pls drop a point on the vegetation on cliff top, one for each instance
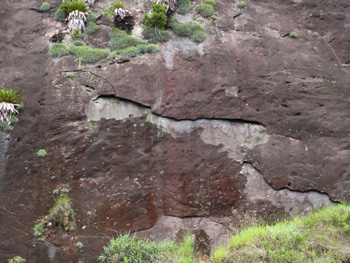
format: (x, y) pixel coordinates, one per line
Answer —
(322, 236)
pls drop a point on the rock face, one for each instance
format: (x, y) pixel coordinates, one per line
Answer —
(198, 137)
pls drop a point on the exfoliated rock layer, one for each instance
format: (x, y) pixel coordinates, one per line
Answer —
(200, 136)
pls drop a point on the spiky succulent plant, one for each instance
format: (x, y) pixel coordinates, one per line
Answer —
(9, 100)
(76, 21)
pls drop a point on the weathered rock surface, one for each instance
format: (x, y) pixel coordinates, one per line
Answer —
(176, 141)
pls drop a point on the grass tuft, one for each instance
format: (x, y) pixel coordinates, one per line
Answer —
(91, 27)
(205, 10)
(155, 35)
(183, 6)
(60, 15)
(193, 30)
(45, 7)
(89, 54)
(58, 50)
(321, 236)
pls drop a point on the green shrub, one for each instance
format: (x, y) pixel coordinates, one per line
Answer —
(61, 216)
(91, 27)
(45, 7)
(77, 34)
(89, 54)
(148, 48)
(58, 50)
(125, 42)
(183, 6)
(60, 15)
(109, 13)
(241, 4)
(116, 32)
(293, 34)
(130, 52)
(16, 259)
(157, 19)
(78, 43)
(41, 153)
(210, 2)
(91, 17)
(205, 10)
(198, 36)
(155, 35)
(74, 5)
(71, 75)
(193, 30)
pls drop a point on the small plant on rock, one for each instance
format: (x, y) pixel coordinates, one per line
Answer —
(193, 30)
(61, 217)
(293, 34)
(76, 14)
(45, 7)
(80, 245)
(168, 4)
(10, 101)
(91, 17)
(17, 259)
(241, 4)
(41, 153)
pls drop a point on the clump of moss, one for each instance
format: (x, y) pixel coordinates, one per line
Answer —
(210, 2)
(61, 217)
(58, 50)
(91, 27)
(60, 15)
(193, 30)
(205, 10)
(45, 7)
(89, 54)
(183, 6)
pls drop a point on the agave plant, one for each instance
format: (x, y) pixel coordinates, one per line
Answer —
(90, 2)
(122, 12)
(170, 4)
(9, 100)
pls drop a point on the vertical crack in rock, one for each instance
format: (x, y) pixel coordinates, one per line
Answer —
(294, 202)
(232, 135)
(4, 145)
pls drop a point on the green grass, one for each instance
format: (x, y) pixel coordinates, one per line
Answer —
(205, 10)
(89, 54)
(193, 30)
(183, 6)
(91, 17)
(210, 2)
(45, 7)
(61, 216)
(91, 27)
(58, 50)
(241, 4)
(125, 42)
(60, 15)
(127, 248)
(16, 259)
(294, 34)
(155, 35)
(321, 236)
